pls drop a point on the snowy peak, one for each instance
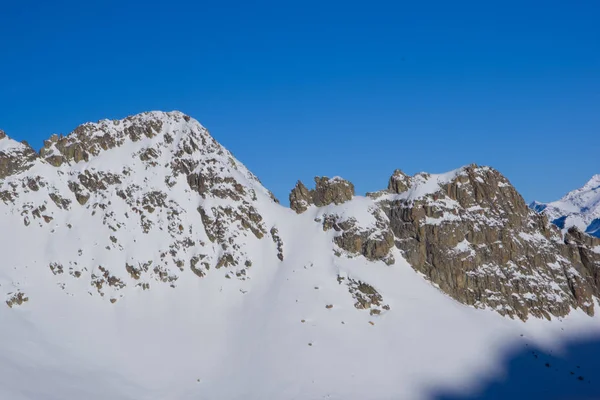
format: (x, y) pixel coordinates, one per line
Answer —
(579, 208)
(170, 140)
(89, 139)
(537, 206)
(131, 203)
(585, 198)
(592, 184)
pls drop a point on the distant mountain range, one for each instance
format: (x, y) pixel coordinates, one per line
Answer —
(579, 208)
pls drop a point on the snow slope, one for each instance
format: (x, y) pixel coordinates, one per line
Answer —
(579, 208)
(112, 314)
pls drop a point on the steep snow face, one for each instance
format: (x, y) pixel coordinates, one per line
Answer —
(579, 208)
(141, 260)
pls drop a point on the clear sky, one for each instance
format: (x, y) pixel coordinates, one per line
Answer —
(302, 88)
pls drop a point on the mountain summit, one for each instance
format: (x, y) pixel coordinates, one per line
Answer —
(579, 208)
(142, 260)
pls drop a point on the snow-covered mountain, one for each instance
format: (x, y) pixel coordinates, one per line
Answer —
(142, 260)
(579, 208)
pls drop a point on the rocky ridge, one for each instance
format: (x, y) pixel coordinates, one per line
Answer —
(472, 235)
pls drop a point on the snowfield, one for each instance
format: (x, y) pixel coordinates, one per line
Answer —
(275, 329)
(211, 339)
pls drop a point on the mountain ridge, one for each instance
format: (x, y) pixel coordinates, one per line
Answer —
(477, 201)
(579, 208)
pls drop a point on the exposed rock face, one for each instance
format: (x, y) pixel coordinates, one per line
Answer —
(327, 191)
(331, 191)
(372, 238)
(300, 198)
(16, 299)
(89, 139)
(373, 248)
(366, 296)
(14, 157)
(472, 234)
(277, 240)
(586, 249)
(399, 182)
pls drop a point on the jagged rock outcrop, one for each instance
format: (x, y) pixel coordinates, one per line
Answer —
(373, 245)
(399, 182)
(14, 157)
(300, 198)
(370, 236)
(327, 191)
(585, 250)
(90, 139)
(16, 299)
(331, 191)
(366, 296)
(472, 234)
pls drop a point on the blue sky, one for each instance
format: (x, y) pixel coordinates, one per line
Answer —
(302, 88)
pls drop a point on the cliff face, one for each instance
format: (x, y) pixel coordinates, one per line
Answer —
(475, 237)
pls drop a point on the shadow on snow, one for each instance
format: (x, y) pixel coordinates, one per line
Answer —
(533, 373)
